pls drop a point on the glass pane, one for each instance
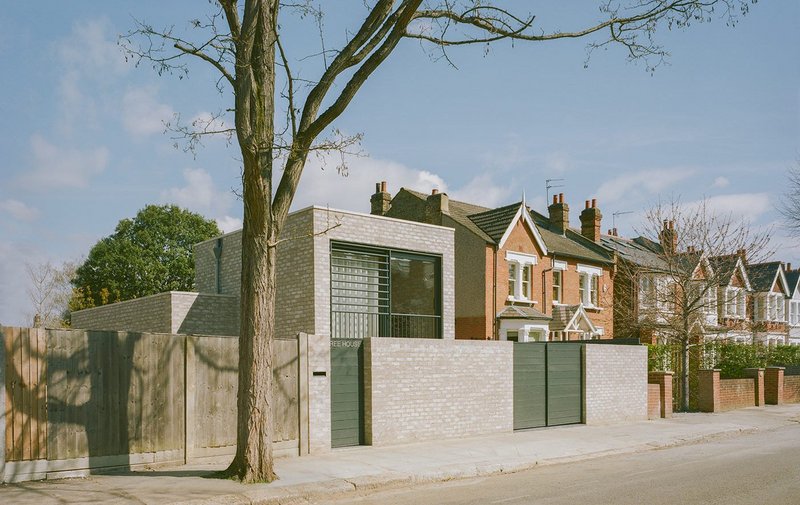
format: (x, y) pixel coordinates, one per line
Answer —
(414, 281)
(512, 336)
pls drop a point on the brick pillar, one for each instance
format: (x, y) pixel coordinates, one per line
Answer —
(773, 385)
(758, 377)
(664, 381)
(708, 390)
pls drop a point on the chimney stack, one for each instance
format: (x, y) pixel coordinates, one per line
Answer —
(436, 206)
(559, 214)
(381, 201)
(669, 237)
(591, 221)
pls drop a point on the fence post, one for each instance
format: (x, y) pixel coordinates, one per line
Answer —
(189, 386)
(302, 392)
(2, 404)
(773, 385)
(758, 382)
(708, 382)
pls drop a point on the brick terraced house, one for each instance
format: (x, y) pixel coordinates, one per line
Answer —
(519, 275)
(770, 293)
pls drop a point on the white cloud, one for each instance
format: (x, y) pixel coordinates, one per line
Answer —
(557, 162)
(649, 181)
(748, 206)
(228, 224)
(62, 167)
(201, 195)
(720, 182)
(19, 210)
(142, 114)
(89, 59)
(483, 191)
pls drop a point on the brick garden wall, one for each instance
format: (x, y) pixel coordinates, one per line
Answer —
(421, 389)
(736, 394)
(653, 401)
(791, 389)
(615, 383)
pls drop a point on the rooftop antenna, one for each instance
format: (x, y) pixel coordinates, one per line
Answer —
(618, 213)
(548, 184)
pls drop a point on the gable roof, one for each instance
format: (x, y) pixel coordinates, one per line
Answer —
(522, 312)
(491, 225)
(763, 275)
(566, 316)
(639, 251)
(793, 278)
(726, 267)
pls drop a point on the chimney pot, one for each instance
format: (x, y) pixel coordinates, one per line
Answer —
(587, 204)
(555, 199)
(377, 187)
(381, 201)
(561, 198)
(434, 191)
(383, 186)
(594, 203)
(616, 234)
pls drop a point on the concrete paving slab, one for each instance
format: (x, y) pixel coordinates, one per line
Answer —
(345, 471)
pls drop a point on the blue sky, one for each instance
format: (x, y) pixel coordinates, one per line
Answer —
(82, 139)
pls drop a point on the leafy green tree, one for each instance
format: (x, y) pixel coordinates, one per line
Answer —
(148, 254)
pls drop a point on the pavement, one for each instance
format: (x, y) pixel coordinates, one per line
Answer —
(345, 471)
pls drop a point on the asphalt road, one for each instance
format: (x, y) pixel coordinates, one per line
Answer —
(759, 468)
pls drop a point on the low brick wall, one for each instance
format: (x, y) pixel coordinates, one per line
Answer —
(653, 401)
(719, 395)
(425, 389)
(736, 394)
(791, 389)
(176, 312)
(615, 383)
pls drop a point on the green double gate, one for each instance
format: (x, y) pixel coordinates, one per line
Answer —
(347, 392)
(548, 384)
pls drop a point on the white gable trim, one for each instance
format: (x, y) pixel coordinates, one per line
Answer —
(572, 326)
(522, 212)
(522, 258)
(740, 267)
(784, 282)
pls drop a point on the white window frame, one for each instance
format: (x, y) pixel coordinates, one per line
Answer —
(735, 303)
(590, 295)
(560, 267)
(518, 264)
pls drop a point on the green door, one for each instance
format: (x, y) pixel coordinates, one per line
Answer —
(530, 386)
(347, 392)
(564, 383)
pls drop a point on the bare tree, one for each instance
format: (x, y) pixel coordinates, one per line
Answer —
(684, 289)
(244, 42)
(49, 292)
(790, 204)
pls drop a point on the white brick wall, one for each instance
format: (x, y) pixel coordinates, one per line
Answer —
(427, 389)
(615, 383)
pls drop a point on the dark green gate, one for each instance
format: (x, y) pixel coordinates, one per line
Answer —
(347, 392)
(548, 384)
(530, 386)
(564, 383)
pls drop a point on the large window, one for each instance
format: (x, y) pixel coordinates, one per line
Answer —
(589, 285)
(735, 305)
(384, 293)
(558, 279)
(519, 275)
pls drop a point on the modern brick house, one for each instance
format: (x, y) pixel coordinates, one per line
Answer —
(519, 275)
(339, 273)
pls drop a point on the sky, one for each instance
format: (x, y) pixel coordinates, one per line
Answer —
(82, 142)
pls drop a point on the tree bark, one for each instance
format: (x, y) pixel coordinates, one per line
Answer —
(255, 91)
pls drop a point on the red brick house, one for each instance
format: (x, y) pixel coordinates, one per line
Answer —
(519, 275)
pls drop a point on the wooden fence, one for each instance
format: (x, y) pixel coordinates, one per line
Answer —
(77, 400)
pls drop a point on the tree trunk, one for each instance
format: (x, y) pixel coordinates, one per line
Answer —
(255, 130)
(685, 374)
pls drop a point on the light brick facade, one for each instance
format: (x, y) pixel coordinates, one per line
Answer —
(170, 312)
(303, 263)
(423, 389)
(615, 383)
